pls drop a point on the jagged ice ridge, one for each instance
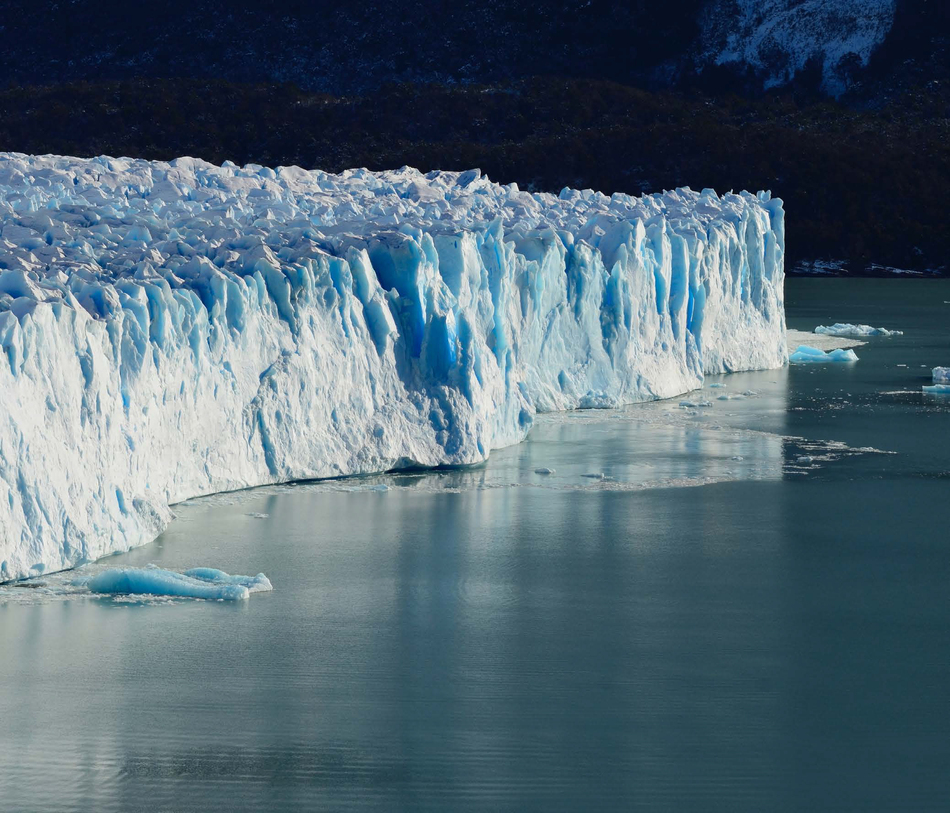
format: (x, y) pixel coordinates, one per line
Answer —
(169, 330)
(847, 329)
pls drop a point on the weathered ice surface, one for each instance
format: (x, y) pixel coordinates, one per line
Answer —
(847, 329)
(174, 329)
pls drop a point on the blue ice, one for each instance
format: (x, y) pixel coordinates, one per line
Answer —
(812, 355)
(200, 582)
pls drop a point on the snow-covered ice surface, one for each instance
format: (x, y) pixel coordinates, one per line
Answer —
(847, 329)
(176, 329)
(814, 355)
(794, 338)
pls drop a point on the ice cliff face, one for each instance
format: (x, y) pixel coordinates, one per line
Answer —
(174, 329)
(777, 38)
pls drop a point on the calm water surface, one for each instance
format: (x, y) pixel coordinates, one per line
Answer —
(774, 637)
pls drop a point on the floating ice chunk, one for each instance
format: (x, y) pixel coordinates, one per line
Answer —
(937, 389)
(941, 375)
(594, 475)
(255, 584)
(847, 329)
(544, 470)
(258, 515)
(812, 355)
(716, 385)
(737, 396)
(205, 583)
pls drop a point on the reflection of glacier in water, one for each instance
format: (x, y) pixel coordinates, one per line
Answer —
(646, 446)
(444, 641)
(741, 436)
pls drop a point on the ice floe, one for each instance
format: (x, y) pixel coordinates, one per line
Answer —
(202, 582)
(813, 355)
(848, 330)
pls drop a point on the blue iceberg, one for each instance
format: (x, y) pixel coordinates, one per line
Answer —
(200, 582)
(812, 355)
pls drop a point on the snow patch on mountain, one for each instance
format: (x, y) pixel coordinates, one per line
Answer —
(777, 38)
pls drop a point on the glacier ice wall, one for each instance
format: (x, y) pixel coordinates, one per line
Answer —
(174, 329)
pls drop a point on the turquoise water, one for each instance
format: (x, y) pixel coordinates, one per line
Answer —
(750, 611)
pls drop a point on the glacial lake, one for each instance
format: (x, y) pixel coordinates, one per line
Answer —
(748, 611)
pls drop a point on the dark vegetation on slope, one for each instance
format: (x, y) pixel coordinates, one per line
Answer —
(867, 187)
(344, 47)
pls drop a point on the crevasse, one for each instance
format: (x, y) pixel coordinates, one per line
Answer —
(169, 330)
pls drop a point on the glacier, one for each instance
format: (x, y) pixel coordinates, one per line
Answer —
(171, 330)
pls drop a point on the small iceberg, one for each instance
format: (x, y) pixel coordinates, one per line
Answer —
(937, 389)
(812, 355)
(847, 329)
(941, 375)
(200, 582)
(544, 470)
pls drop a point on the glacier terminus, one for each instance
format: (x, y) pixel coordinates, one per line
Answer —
(169, 330)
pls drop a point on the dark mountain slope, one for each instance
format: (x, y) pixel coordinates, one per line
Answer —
(339, 47)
